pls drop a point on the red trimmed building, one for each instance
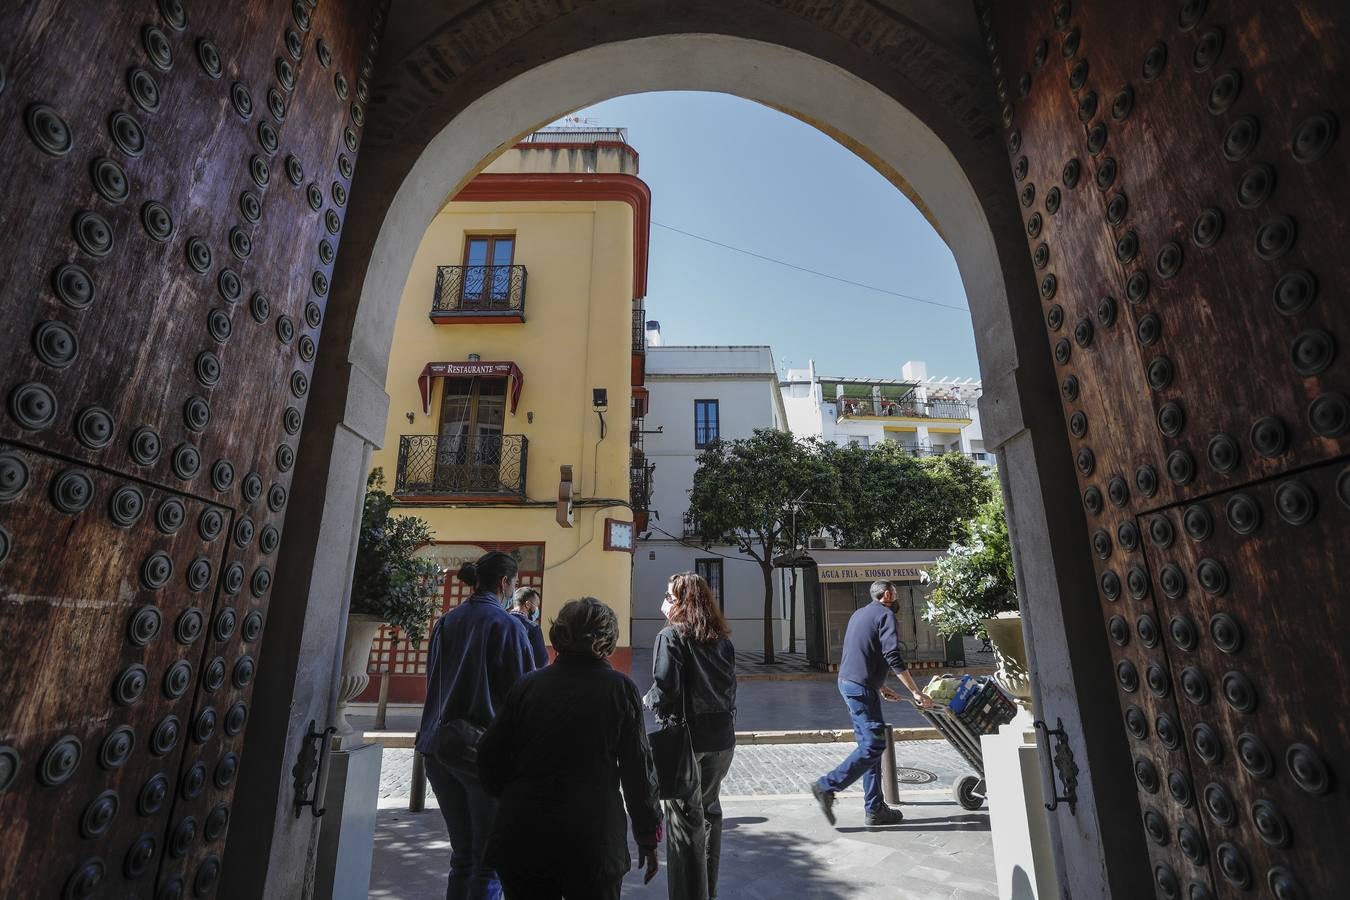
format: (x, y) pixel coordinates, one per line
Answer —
(518, 360)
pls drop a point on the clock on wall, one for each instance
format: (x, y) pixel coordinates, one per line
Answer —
(620, 535)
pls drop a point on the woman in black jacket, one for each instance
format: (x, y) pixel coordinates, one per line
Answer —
(567, 737)
(694, 677)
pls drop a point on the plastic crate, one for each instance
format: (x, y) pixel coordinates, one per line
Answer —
(988, 710)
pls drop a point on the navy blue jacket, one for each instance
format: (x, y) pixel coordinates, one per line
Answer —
(536, 634)
(871, 647)
(477, 654)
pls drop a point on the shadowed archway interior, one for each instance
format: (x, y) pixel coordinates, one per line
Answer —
(1146, 205)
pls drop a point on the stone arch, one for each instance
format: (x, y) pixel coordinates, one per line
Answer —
(919, 112)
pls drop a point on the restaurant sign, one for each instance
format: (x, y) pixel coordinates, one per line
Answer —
(913, 571)
(460, 369)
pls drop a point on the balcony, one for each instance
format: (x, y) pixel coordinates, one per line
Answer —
(639, 330)
(640, 492)
(432, 467)
(639, 360)
(850, 407)
(479, 294)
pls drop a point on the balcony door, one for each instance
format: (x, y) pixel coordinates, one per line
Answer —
(487, 270)
(469, 445)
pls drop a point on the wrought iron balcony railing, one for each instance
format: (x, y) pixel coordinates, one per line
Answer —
(903, 409)
(640, 486)
(639, 330)
(488, 464)
(494, 291)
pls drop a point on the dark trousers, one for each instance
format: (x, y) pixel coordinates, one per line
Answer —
(531, 887)
(694, 831)
(468, 813)
(864, 707)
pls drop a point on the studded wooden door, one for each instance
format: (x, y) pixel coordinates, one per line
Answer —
(1182, 172)
(176, 176)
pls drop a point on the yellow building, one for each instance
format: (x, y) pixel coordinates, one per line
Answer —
(518, 351)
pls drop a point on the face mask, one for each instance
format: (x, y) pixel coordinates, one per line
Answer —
(666, 607)
(534, 616)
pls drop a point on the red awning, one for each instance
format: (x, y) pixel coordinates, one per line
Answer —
(455, 369)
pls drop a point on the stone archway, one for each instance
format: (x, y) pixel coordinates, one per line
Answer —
(982, 228)
(167, 285)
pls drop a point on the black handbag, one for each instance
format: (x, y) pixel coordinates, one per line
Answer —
(455, 746)
(673, 755)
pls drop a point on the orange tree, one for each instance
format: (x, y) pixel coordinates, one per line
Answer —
(744, 493)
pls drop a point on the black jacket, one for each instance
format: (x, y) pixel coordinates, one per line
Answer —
(565, 740)
(707, 670)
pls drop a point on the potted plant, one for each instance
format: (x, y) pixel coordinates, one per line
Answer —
(974, 592)
(391, 586)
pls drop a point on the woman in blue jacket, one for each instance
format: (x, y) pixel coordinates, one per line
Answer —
(478, 652)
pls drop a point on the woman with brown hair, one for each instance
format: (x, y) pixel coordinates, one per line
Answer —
(694, 678)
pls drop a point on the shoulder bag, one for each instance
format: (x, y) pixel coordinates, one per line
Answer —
(455, 746)
(673, 754)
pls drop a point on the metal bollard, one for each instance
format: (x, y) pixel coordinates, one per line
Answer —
(890, 784)
(417, 799)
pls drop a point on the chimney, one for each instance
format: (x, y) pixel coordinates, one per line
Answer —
(653, 333)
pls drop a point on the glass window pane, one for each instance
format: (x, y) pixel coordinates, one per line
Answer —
(503, 248)
(477, 252)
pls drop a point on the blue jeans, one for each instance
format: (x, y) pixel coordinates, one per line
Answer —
(468, 813)
(864, 707)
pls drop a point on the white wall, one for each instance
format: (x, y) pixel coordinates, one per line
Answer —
(810, 413)
(741, 379)
(744, 382)
(742, 593)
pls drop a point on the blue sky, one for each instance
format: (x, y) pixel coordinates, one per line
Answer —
(743, 174)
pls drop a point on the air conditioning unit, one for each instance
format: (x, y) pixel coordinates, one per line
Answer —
(820, 543)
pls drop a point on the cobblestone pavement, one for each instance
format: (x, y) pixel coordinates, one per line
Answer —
(773, 848)
(804, 705)
(769, 769)
(794, 705)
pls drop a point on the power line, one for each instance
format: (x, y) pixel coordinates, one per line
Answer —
(701, 548)
(783, 262)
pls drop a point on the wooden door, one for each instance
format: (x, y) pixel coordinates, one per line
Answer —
(469, 439)
(1181, 169)
(175, 188)
(487, 271)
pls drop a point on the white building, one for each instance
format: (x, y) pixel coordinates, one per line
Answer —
(698, 394)
(925, 415)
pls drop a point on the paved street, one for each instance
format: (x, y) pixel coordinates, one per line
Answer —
(777, 843)
(798, 705)
(769, 769)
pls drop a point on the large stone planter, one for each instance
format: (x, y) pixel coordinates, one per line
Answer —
(1010, 650)
(361, 631)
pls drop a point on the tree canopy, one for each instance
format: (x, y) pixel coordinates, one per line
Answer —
(745, 493)
(390, 581)
(890, 499)
(974, 581)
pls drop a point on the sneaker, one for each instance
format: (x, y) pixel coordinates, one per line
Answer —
(825, 799)
(885, 815)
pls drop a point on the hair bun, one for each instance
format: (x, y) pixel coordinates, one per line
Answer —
(468, 573)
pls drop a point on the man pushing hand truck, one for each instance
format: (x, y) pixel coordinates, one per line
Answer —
(871, 651)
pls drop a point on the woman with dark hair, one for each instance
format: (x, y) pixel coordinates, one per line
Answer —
(565, 741)
(478, 652)
(694, 678)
